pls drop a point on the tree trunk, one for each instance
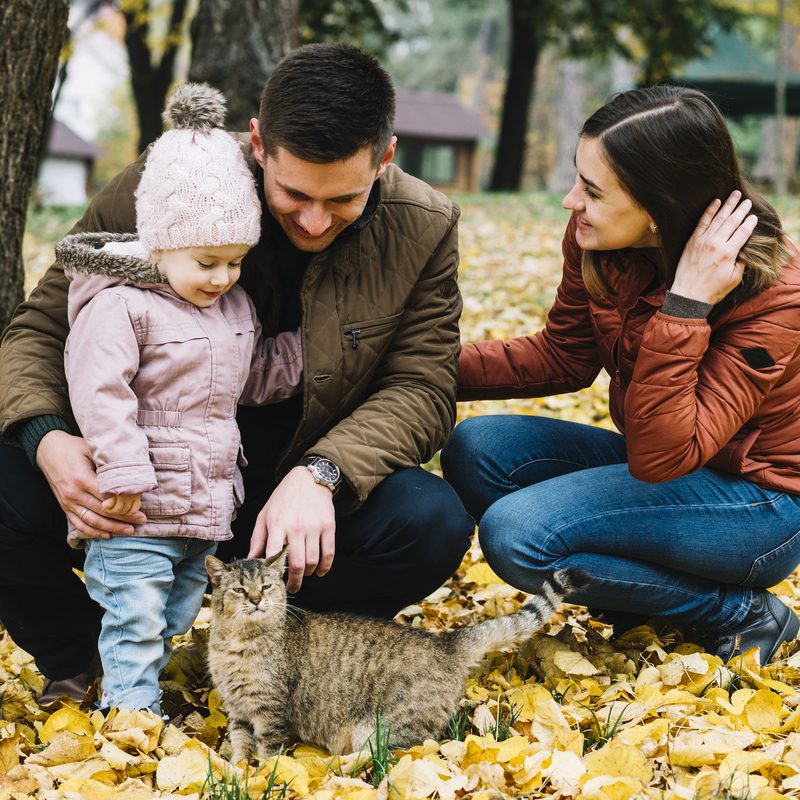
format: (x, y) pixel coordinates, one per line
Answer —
(32, 32)
(764, 169)
(256, 34)
(525, 46)
(150, 82)
(569, 116)
(766, 166)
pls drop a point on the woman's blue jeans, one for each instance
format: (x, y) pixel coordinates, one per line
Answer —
(550, 494)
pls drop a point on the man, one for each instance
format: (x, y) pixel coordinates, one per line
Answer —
(363, 259)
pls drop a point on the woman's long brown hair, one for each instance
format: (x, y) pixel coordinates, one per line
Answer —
(671, 151)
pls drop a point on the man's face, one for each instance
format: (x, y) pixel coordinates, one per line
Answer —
(314, 203)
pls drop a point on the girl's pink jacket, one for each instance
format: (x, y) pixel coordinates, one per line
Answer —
(154, 382)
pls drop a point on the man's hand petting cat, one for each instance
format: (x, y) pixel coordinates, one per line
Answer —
(299, 513)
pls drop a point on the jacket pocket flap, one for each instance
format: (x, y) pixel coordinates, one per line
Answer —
(170, 456)
(376, 324)
(163, 334)
(242, 325)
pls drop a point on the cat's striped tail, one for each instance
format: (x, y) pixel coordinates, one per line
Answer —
(474, 642)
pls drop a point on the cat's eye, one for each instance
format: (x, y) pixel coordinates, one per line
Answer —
(266, 586)
(240, 590)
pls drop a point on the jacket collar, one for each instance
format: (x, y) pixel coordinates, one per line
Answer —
(83, 253)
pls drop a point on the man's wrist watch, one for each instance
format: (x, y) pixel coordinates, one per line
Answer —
(323, 471)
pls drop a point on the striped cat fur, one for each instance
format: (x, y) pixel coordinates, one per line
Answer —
(288, 675)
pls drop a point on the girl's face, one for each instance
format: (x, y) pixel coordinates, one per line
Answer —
(201, 275)
(607, 216)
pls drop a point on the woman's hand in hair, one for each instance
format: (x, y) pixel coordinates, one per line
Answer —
(709, 267)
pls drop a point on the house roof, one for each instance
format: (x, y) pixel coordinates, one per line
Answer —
(739, 78)
(65, 143)
(436, 115)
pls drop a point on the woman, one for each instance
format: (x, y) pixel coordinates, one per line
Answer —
(679, 282)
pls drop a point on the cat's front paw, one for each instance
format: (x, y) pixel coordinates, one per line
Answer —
(270, 747)
(242, 740)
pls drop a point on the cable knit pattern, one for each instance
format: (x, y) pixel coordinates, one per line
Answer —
(196, 190)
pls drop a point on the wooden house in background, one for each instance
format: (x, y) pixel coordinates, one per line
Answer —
(65, 174)
(437, 139)
(739, 78)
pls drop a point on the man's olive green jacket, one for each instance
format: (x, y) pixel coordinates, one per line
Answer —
(379, 333)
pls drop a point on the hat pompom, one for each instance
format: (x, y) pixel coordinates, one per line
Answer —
(195, 106)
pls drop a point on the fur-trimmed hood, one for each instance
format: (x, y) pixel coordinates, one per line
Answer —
(97, 261)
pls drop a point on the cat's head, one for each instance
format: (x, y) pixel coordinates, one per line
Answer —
(248, 591)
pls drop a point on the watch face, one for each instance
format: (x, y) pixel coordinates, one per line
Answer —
(327, 471)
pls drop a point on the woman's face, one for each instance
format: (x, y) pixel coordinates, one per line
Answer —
(608, 217)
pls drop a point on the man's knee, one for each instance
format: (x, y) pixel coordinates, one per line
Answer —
(443, 524)
(27, 504)
(424, 514)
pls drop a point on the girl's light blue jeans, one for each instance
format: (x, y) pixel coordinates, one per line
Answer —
(550, 494)
(151, 589)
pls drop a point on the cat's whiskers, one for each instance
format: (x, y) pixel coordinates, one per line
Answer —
(294, 611)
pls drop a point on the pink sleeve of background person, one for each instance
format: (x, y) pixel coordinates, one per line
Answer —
(276, 369)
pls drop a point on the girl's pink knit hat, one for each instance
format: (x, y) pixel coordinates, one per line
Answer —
(196, 189)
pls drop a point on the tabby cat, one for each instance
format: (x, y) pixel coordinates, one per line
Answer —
(287, 675)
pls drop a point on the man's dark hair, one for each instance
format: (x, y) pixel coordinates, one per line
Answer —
(325, 102)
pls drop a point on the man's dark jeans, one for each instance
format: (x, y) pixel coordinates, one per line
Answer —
(401, 545)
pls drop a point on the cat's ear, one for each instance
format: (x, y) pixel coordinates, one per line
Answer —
(214, 568)
(278, 560)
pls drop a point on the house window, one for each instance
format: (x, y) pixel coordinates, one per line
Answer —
(434, 163)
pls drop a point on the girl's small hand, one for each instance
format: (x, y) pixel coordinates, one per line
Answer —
(122, 504)
(709, 267)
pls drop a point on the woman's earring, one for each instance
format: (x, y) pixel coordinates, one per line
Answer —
(653, 228)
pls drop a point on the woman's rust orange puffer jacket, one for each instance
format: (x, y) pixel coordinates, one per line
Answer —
(722, 392)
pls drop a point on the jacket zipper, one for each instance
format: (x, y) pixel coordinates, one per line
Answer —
(615, 350)
(618, 341)
(356, 334)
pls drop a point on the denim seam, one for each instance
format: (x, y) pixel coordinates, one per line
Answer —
(540, 460)
(610, 514)
(117, 628)
(769, 554)
(639, 509)
(637, 584)
(744, 607)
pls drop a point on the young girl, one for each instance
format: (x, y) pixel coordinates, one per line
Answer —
(162, 347)
(680, 283)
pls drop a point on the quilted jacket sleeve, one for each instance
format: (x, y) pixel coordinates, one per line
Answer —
(32, 381)
(562, 357)
(102, 358)
(694, 388)
(410, 410)
(276, 370)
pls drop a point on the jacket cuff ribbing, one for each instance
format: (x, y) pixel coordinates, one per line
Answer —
(33, 430)
(676, 305)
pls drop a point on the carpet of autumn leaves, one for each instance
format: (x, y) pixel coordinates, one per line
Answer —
(569, 715)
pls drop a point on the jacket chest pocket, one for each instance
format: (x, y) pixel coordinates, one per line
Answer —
(172, 353)
(172, 334)
(173, 495)
(373, 335)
